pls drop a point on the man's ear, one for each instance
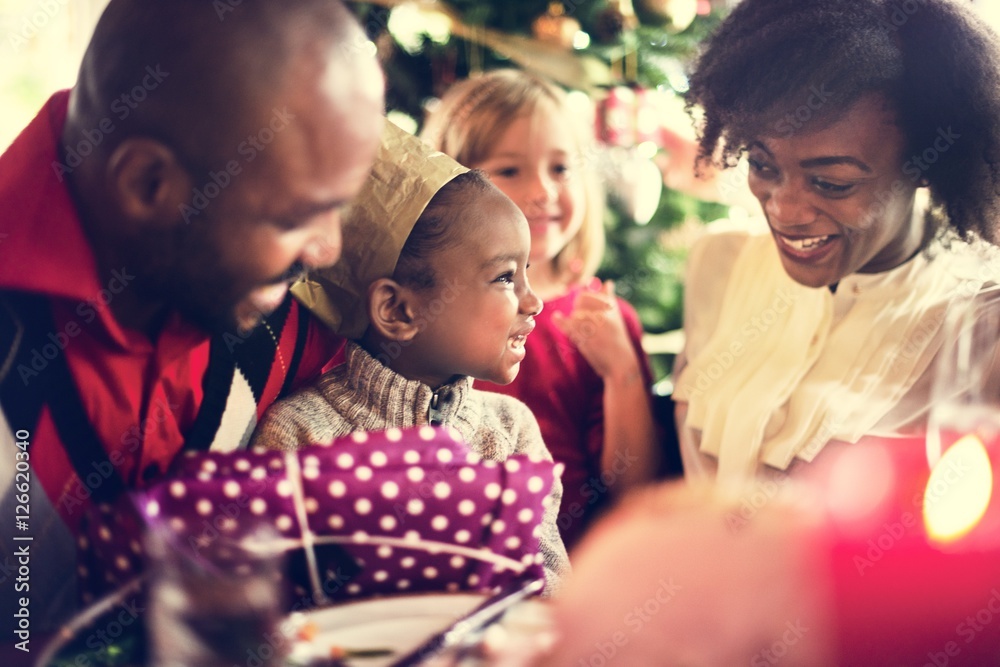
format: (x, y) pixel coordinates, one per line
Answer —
(391, 310)
(148, 182)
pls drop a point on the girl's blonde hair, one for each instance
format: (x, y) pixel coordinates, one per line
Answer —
(475, 113)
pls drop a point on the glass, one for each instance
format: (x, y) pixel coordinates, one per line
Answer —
(963, 435)
(216, 605)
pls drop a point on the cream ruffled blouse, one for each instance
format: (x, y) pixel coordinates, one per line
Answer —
(775, 370)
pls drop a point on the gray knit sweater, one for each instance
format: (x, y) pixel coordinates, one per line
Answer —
(364, 395)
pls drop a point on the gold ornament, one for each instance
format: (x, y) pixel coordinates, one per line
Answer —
(554, 27)
(678, 14)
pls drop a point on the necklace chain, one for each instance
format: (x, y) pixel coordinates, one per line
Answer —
(277, 347)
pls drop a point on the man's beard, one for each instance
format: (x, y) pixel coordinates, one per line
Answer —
(205, 298)
(204, 305)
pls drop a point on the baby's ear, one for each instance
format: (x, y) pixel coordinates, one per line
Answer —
(391, 310)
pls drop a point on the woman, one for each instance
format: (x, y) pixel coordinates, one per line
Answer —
(872, 134)
(871, 130)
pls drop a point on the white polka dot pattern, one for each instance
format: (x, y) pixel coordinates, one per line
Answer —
(415, 508)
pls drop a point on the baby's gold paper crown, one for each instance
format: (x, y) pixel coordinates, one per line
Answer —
(405, 177)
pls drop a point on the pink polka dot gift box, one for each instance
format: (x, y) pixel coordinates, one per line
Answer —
(370, 514)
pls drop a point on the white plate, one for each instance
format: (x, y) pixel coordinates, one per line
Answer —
(402, 623)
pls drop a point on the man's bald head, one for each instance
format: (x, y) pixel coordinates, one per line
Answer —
(201, 69)
(226, 144)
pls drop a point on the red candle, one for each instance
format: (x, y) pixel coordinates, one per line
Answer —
(915, 552)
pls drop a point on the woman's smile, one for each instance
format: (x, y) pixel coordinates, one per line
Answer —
(806, 248)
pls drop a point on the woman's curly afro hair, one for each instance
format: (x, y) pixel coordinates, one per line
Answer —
(776, 67)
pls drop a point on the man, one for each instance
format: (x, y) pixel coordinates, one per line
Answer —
(151, 218)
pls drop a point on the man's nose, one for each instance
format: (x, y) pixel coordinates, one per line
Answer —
(323, 249)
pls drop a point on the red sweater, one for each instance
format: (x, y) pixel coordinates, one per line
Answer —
(567, 397)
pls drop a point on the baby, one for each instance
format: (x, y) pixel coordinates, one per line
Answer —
(431, 292)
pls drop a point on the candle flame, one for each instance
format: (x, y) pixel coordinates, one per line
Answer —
(958, 491)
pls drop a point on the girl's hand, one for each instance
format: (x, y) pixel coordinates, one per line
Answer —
(597, 328)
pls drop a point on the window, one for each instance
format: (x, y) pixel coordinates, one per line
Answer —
(41, 44)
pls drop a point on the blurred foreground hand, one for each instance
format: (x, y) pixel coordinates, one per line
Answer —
(669, 578)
